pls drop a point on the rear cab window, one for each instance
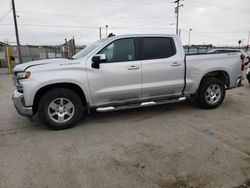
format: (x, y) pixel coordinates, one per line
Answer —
(157, 47)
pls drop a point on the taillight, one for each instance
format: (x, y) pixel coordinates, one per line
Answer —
(242, 56)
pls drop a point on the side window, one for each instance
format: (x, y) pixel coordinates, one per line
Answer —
(120, 50)
(158, 47)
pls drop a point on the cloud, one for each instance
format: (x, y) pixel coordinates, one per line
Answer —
(50, 21)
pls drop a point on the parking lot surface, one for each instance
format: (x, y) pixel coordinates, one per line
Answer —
(174, 145)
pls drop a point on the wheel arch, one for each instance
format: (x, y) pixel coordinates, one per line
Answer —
(220, 74)
(74, 87)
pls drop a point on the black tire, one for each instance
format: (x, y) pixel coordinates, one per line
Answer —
(203, 97)
(55, 96)
(248, 77)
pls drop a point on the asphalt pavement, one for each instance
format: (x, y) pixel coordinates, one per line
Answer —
(173, 145)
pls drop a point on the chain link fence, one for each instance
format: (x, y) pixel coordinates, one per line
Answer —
(31, 53)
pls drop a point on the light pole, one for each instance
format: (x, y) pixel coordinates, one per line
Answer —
(189, 32)
(100, 32)
(106, 30)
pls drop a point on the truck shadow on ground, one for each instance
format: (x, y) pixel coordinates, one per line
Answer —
(121, 116)
(137, 114)
(22, 124)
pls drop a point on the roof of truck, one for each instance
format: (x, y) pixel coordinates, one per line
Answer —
(143, 35)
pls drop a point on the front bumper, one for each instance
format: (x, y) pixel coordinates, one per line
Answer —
(18, 100)
(239, 82)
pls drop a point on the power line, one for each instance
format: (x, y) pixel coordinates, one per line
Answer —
(222, 32)
(5, 14)
(129, 2)
(61, 26)
(214, 7)
(118, 28)
(201, 5)
(89, 17)
(85, 27)
(153, 22)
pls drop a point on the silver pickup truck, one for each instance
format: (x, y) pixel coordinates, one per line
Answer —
(122, 72)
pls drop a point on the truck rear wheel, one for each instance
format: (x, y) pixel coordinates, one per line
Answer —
(60, 108)
(211, 93)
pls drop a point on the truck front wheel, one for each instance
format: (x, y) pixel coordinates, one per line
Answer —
(60, 108)
(211, 93)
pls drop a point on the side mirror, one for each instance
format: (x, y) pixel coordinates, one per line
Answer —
(97, 59)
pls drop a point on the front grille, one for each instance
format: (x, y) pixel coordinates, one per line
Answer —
(14, 78)
(18, 86)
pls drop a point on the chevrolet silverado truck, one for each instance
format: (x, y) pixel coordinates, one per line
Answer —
(122, 72)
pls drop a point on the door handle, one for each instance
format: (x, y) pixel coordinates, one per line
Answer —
(133, 67)
(175, 64)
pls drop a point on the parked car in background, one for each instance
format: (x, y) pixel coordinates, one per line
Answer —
(122, 72)
(248, 54)
(248, 68)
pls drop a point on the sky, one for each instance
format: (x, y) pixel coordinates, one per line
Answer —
(49, 22)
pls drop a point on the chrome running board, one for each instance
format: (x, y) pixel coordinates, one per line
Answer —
(130, 106)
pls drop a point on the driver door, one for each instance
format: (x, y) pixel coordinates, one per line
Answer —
(120, 77)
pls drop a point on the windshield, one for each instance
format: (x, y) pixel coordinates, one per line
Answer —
(88, 49)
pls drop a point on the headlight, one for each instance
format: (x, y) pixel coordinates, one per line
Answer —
(23, 75)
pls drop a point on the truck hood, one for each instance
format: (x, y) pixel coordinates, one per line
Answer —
(24, 66)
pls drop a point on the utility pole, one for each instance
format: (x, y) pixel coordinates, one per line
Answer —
(177, 14)
(16, 30)
(100, 32)
(66, 49)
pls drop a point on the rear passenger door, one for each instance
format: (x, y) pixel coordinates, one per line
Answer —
(162, 67)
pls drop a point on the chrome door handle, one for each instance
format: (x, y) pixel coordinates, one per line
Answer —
(175, 64)
(132, 67)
